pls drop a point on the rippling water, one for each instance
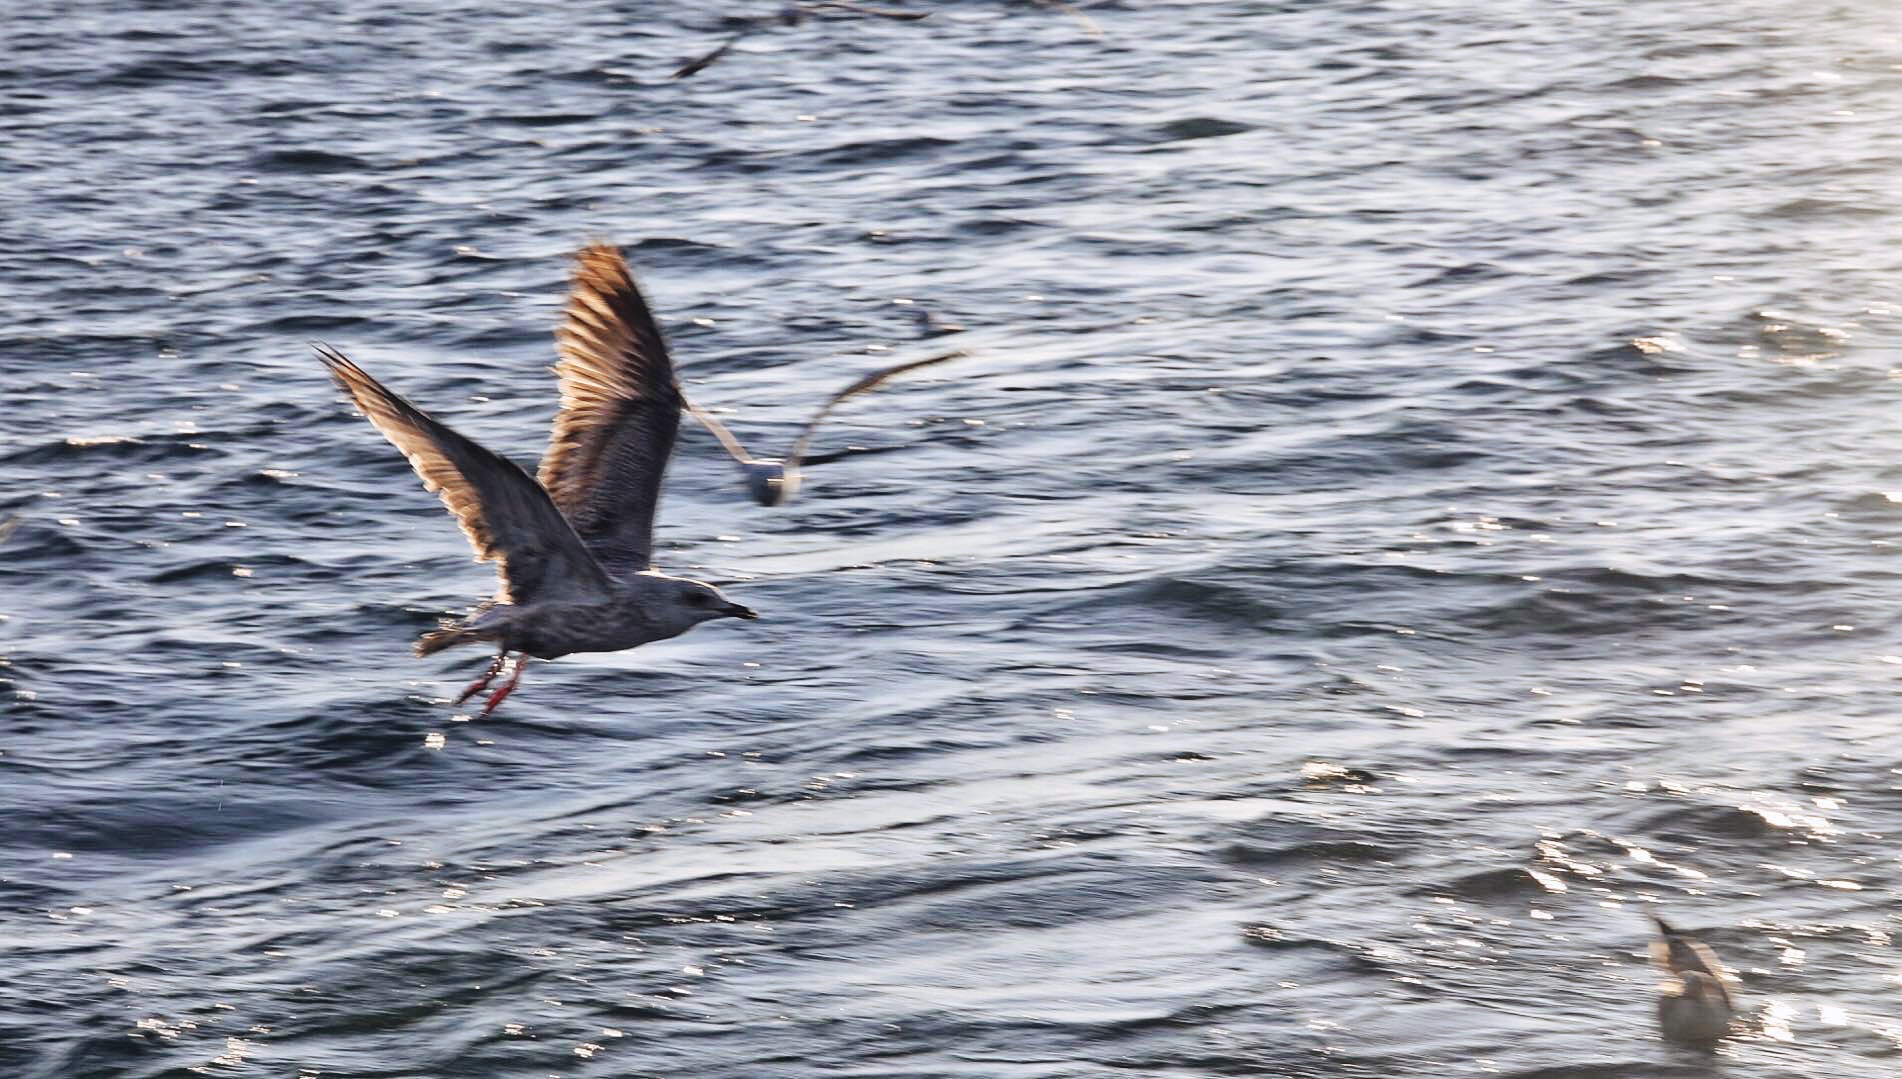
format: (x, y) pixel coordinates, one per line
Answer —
(1424, 493)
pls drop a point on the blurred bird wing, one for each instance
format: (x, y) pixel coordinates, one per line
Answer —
(620, 411)
(1722, 983)
(699, 64)
(719, 431)
(507, 516)
(883, 13)
(1675, 953)
(870, 381)
(1089, 25)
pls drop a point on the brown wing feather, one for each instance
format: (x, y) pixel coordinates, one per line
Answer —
(507, 516)
(620, 410)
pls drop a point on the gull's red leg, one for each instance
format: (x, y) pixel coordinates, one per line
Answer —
(506, 688)
(482, 683)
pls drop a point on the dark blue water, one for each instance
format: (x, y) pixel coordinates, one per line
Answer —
(1424, 492)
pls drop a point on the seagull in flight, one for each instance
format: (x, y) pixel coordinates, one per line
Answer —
(927, 320)
(773, 480)
(789, 15)
(1694, 1005)
(574, 544)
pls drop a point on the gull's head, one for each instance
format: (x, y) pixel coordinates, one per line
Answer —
(689, 603)
(770, 482)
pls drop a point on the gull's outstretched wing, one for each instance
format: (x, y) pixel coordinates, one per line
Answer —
(798, 453)
(506, 515)
(620, 410)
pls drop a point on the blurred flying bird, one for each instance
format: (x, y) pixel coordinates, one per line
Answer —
(928, 322)
(1089, 25)
(771, 480)
(7, 526)
(790, 15)
(1694, 1004)
(573, 546)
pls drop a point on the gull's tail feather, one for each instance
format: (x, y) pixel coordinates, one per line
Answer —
(450, 635)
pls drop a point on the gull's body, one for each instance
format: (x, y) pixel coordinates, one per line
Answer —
(773, 480)
(639, 610)
(1694, 1004)
(573, 546)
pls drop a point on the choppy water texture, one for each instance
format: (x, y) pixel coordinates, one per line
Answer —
(1425, 492)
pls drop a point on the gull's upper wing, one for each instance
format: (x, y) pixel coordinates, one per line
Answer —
(620, 410)
(798, 453)
(506, 515)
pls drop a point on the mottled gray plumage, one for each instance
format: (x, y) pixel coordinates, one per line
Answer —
(574, 550)
(1694, 1003)
(772, 480)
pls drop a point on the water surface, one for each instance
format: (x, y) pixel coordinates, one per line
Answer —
(1423, 494)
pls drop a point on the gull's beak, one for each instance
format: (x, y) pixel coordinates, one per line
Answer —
(736, 610)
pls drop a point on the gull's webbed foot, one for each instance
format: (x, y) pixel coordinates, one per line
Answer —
(508, 687)
(482, 683)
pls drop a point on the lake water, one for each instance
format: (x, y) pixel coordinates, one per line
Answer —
(1425, 492)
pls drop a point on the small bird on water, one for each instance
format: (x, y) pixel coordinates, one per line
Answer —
(574, 545)
(773, 480)
(1694, 1004)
